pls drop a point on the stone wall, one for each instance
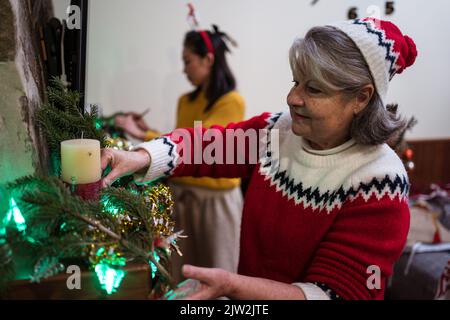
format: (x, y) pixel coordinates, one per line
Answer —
(22, 87)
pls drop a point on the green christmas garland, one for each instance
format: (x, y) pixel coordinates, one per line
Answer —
(51, 227)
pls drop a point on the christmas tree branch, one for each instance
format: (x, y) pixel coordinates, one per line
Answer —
(60, 119)
(126, 244)
(48, 203)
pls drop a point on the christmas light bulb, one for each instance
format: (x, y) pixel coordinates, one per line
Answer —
(108, 277)
(154, 268)
(15, 213)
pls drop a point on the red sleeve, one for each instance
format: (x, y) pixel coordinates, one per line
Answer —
(365, 237)
(217, 152)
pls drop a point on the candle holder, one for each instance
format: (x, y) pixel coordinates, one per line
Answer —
(87, 191)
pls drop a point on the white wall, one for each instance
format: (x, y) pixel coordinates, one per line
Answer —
(134, 54)
(60, 7)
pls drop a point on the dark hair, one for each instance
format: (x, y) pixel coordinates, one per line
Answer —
(222, 80)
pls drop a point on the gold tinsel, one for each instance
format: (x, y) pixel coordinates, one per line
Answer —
(160, 203)
(118, 143)
(158, 199)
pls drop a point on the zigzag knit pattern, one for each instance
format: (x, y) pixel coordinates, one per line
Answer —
(172, 158)
(388, 44)
(334, 199)
(329, 199)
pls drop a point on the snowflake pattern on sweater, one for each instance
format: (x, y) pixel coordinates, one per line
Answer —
(329, 194)
(309, 216)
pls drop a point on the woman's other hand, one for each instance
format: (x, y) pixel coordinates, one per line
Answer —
(123, 163)
(132, 124)
(215, 283)
(140, 122)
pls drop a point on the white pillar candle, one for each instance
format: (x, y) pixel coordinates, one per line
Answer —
(80, 161)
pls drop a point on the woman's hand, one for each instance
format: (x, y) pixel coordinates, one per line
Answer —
(123, 163)
(132, 124)
(139, 119)
(215, 283)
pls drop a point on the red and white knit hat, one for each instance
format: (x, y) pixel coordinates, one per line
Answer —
(386, 50)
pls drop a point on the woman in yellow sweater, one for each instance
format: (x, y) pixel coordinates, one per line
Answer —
(208, 210)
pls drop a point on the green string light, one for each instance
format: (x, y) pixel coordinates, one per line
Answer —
(152, 265)
(98, 123)
(110, 208)
(100, 251)
(17, 215)
(109, 277)
(62, 226)
(13, 213)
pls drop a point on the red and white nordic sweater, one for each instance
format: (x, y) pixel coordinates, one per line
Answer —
(332, 217)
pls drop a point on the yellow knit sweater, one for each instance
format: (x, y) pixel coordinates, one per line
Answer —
(229, 108)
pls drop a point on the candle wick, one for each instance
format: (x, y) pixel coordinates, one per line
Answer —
(73, 184)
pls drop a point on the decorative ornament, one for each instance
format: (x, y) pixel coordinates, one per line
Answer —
(160, 203)
(193, 18)
(118, 143)
(409, 165)
(409, 153)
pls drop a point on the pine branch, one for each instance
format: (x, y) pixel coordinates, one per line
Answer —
(135, 249)
(60, 119)
(127, 200)
(48, 204)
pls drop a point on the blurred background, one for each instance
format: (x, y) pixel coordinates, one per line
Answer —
(134, 53)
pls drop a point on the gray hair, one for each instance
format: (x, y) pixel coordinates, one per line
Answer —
(330, 57)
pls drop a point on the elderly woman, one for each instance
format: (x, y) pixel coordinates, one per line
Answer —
(326, 212)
